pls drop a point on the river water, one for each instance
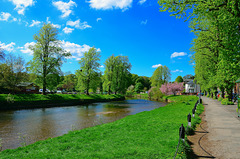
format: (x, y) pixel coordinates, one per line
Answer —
(21, 127)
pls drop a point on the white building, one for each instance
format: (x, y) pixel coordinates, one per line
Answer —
(192, 87)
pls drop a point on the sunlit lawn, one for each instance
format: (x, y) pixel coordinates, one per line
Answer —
(152, 134)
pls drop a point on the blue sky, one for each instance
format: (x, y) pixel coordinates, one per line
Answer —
(133, 28)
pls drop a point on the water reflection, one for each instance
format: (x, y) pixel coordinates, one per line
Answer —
(39, 124)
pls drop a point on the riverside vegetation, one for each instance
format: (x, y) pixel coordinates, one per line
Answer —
(18, 101)
(150, 134)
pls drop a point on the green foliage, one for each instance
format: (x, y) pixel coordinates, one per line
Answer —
(10, 98)
(12, 72)
(155, 93)
(117, 77)
(226, 101)
(47, 55)
(88, 75)
(179, 79)
(138, 87)
(160, 76)
(220, 99)
(130, 137)
(54, 97)
(216, 44)
(69, 82)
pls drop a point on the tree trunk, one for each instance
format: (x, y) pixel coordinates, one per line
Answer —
(222, 90)
(44, 80)
(87, 89)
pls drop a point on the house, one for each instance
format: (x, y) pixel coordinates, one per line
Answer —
(191, 87)
(28, 87)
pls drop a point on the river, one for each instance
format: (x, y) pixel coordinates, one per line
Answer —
(22, 127)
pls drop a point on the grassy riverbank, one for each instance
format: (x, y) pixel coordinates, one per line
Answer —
(23, 101)
(152, 134)
(40, 97)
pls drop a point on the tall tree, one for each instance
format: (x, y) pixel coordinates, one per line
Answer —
(89, 70)
(216, 25)
(117, 77)
(110, 67)
(160, 76)
(48, 55)
(12, 72)
(179, 79)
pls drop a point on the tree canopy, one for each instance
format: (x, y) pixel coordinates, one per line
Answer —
(160, 76)
(216, 25)
(48, 55)
(88, 75)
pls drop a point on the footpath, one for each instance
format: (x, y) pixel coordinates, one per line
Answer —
(218, 136)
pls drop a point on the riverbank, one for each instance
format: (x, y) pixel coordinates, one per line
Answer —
(30, 101)
(150, 134)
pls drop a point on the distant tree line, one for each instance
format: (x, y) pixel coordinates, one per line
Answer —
(45, 69)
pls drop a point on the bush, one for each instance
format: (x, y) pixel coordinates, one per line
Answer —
(225, 101)
(155, 93)
(220, 99)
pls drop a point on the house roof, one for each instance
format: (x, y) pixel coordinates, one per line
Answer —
(190, 82)
(24, 84)
(238, 81)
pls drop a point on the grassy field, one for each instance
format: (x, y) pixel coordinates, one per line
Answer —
(40, 97)
(152, 134)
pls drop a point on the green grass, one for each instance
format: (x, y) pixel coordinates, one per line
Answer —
(144, 95)
(40, 97)
(150, 134)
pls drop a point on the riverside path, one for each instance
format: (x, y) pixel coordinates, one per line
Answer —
(219, 133)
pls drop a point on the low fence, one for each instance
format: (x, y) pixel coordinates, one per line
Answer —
(182, 130)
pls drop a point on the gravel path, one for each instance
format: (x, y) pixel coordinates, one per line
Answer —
(218, 136)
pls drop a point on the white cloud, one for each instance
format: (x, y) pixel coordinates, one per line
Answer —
(68, 30)
(78, 25)
(98, 19)
(21, 5)
(65, 8)
(110, 4)
(144, 22)
(4, 16)
(141, 2)
(76, 50)
(177, 70)
(7, 47)
(156, 66)
(35, 23)
(54, 25)
(14, 19)
(25, 49)
(101, 66)
(176, 54)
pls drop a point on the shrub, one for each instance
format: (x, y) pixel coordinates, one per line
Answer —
(225, 101)
(220, 99)
(155, 93)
